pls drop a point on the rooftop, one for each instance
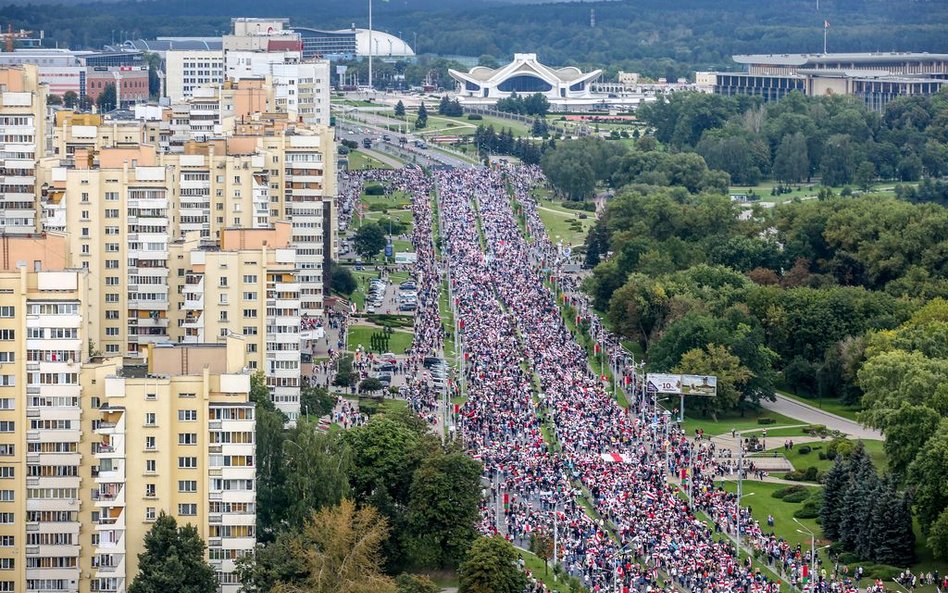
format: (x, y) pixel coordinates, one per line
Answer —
(863, 58)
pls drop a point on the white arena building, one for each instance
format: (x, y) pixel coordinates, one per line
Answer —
(525, 76)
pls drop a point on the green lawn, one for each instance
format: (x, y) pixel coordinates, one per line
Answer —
(831, 405)
(762, 503)
(396, 200)
(758, 496)
(734, 420)
(361, 335)
(802, 461)
(800, 190)
(359, 161)
(564, 224)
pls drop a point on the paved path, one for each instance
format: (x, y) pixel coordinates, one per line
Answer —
(807, 413)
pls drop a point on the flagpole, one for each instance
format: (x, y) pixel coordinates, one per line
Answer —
(370, 45)
(825, 30)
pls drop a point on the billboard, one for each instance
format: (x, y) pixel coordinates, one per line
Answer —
(705, 385)
(662, 383)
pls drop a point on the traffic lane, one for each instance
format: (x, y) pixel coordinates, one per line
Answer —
(406, 151)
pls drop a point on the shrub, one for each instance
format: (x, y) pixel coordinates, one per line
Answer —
(883, 572)
(810, 474)
(804, 450)
(475, 117)
(814, 429)
(766, 421)
(783, 492)
(848, 558)
(798, 496)
(807, 511)
(839, 447)
(374, 189)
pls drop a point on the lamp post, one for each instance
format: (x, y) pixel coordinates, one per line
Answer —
(804, 531)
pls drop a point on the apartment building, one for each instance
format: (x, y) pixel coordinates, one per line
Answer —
(23, 130)
(43, 341)
(246, 284)
(172, 435)
(189, 69)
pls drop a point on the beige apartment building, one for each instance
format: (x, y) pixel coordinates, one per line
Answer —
(23, 131)
(92, 449)
(174, 435)
(245, 284)
(43, 330)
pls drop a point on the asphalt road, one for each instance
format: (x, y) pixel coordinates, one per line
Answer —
(406, 153)
(812, 415)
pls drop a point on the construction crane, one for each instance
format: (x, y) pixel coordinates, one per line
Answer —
(10, 37)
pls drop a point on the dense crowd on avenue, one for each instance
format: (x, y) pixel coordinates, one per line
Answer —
(547, 426)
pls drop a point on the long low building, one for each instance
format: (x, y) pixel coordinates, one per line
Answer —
(875, 78)
(525, 75)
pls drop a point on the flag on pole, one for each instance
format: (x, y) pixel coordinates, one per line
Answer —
(826, 24)
(806, 573)
(597, 348)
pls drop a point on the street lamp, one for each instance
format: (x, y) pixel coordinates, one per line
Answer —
(804, 531)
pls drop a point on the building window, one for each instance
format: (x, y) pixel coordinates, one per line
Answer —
(150, 466)
(150, 514)
(149, 490)
(150, 443)
(150, 419)
(187, 438)
(187, 462)
(187, 509)
(187, 485)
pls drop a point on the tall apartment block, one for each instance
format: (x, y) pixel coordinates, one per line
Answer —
(246, 284)
(173, 435)
(23, 131)
(42, 336)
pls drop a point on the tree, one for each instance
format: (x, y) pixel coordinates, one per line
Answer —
(422, 120)
(342, 551)
(369, 240)
(444, 105)
(370, 385)
(341, 280)
(173, 560)
(491, 567)
(268, 450)
(719, 361)
(70, 99)
(792, 163)
(541, 544)
(938, 537)
(52, 99)
(865, 175)
(639, 308)
(907, 429)
(107, 99)
(443, 510)
(834, 489)
(316, 466)
(272, 563)
(399, 109)
(316, 401)
(892, 540)
(413, 583)
(927, 475)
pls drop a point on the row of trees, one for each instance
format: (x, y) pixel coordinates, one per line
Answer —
(836, 138)
(536, 104)
(867, 515)
(487, 141)
(668, 42)
(577, 167)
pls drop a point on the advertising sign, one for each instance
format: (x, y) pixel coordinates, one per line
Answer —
(705, 385)
(662, 383)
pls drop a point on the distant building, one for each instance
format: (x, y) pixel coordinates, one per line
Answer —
(525, 76)
(350, 44)
(875, 78)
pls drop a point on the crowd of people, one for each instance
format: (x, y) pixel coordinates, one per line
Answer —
(549, 432)
(632, 502)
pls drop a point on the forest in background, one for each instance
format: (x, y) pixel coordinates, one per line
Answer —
(647, 36)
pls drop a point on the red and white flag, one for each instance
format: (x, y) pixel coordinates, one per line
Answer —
(826, 24)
